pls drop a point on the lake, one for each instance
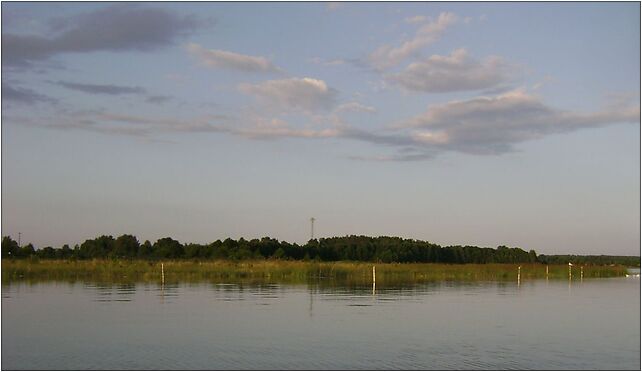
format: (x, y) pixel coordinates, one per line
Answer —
(593, 324)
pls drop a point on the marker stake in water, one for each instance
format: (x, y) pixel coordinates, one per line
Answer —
(374, 278)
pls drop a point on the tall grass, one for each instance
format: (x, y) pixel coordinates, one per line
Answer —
(283, 271)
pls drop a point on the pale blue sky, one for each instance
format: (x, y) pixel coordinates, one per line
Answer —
(456, 123)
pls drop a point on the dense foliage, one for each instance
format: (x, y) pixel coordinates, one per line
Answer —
(348, 248)
(592, 260)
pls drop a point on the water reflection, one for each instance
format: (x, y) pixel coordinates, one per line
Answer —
(322, 324)
(109, 292)
(167, 292)
(264, 293)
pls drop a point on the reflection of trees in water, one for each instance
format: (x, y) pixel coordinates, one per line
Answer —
(264, 292)
(108, 292)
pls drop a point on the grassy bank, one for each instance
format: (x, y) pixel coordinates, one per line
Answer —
(282, 271)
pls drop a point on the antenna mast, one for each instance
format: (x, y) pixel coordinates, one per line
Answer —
(312, 228)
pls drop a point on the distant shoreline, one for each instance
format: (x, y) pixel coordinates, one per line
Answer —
(359, 248)
(281, 271)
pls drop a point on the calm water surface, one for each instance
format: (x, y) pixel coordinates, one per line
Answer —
(538, 325)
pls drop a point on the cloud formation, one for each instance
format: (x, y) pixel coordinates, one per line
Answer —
(158, 99)
(121, 27)
(452, 73)
(388, 56)
(26, 96)
(124, 124)
(484, 125)
(113, 90)
(111, 123)
(304, 94)
(230, 60)
(493, 125)
(101, 88)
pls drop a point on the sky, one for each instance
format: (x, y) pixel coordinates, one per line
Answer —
(486, 124)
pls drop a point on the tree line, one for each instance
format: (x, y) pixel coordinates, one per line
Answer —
(347, 248)
(592, 260)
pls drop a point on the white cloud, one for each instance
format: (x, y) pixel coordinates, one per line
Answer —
(436, 137)
(455, 72)
(230, 60)
(306, 93)
(388, 56)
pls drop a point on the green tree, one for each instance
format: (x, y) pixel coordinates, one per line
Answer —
(193, 250)
(27, 251)
(145, 250)
(9, 247)
(65, 252)
(125, 246)
(47, 253)
(279, 254)
(100, 247)
(168, 248)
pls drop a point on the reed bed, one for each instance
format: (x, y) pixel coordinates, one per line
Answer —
(126, 271)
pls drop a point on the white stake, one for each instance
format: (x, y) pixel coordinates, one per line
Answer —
(519, 273)
(374, 278)
(570, 275)
(162, 274)
(581, 273)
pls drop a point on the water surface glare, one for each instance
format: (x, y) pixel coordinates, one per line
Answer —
(594, 324)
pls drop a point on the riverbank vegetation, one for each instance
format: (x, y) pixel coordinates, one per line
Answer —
(280, 271)
(631, 261)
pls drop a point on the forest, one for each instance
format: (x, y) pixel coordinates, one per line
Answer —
(348, 248)
(592, 260)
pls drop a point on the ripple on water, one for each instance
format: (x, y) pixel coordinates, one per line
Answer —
(276, 327)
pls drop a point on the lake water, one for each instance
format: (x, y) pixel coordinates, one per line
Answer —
(594, 324)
